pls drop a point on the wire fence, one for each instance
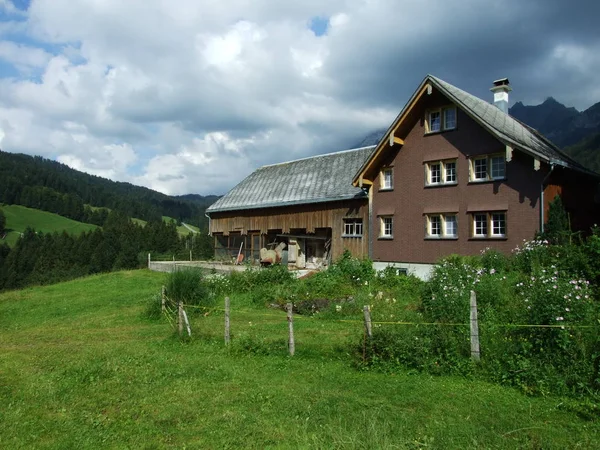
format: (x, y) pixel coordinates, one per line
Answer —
(177, 318)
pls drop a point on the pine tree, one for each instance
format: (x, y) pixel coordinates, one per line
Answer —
(557, 229)
(2, 223)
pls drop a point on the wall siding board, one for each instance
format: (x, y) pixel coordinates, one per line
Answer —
(301, 217)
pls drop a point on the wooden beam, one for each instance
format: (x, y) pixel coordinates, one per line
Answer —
(399, 121)
(536, 164)
(509, 153)
(395, 140)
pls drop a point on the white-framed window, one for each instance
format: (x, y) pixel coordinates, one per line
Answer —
(386, 226)
(480, 222)
(353, 228)
(489, 224)
(498, 167)
(441, 119)
(442, 226)
(440, 172)
(450, 171)
(387, 179)
(498, 224)
(449, 118)
(489, 167)
(450, 225)
(435, 121)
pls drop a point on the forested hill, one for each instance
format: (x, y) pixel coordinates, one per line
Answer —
(44, 184)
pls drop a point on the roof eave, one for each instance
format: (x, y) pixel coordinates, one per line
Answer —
(292, 203)
(386, 137)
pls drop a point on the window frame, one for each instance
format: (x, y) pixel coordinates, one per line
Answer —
(442, 219)
(382, 184)
(382, 227)
(443, 172)
(488, 168)
(442, 120)
(356, 225)
(490, 224)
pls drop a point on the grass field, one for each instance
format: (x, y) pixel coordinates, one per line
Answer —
(18, 218)
(181, 230)
(82, 367)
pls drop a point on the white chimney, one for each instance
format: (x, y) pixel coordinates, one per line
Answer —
(501, 89)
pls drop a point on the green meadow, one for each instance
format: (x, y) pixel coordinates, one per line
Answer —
(18, 218)
(83, 366)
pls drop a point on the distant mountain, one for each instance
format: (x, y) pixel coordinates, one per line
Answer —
(562, 125)
(372, 138)
(204, 201)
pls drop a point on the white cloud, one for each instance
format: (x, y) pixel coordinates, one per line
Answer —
(22, 56)
(192, 96)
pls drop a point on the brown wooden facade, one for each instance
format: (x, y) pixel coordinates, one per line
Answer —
(320, 221)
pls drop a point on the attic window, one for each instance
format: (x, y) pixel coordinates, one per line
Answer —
(386, 179)
(441, 119)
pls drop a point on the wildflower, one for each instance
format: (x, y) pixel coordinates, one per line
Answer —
(492, 271)
(338, 308)
(560, 318)
(577, 297)
(567, 309)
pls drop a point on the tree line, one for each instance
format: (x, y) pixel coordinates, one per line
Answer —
(39, 258)
(48, 185)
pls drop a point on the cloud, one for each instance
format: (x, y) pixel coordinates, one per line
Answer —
(23, 57)
(193, 96)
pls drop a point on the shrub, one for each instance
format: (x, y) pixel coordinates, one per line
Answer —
(186, 286)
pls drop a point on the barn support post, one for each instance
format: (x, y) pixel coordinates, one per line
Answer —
(163, 298)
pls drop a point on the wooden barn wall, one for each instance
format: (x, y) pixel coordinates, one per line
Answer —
(292, 219)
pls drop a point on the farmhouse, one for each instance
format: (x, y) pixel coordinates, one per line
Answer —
(309, 204)
(453, 174)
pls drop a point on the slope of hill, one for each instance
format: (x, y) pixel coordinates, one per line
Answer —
(44, 184)
(18, 218)
(81, 367)
(587, 152)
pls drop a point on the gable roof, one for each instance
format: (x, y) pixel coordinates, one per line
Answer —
(504, 127)
(317, 179)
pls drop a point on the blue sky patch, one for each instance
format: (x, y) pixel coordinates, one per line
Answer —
(319, 25)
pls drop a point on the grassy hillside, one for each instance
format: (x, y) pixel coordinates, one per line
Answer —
(18, 218)
(81, 367)
(182, 230)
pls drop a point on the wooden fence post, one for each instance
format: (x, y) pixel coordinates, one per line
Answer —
(180, 318)
(368, 326)
(227, 335)
(149, 260)
(190, 255)
(290, 318)
(187, 322)
(475, 354)
(163, 298)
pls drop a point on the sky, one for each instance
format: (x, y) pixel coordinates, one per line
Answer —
(191, 96)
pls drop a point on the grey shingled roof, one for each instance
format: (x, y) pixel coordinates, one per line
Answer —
(505, 127)
(317, 179)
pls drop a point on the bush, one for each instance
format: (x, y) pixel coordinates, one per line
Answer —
(537, 321)
(186, 286)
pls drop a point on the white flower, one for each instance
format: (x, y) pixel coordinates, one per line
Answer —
(338, 308)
